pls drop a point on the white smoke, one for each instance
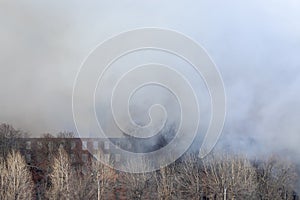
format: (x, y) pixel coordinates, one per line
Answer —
(255, 44)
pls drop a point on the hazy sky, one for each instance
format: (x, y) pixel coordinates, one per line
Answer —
(255, 44)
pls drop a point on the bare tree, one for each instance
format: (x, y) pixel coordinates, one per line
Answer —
(62, 177)
(47, 135)
(83, 186)
(165, 182)
(276, 179)
(9, 138)
(189, 178)
(3, 176)
(138, 185)
(229, 177)
(103, 178)
(16, 180)
(66, 134)
(93, 180)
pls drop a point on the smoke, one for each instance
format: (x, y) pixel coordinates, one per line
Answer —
(36, 67)
(255, 44)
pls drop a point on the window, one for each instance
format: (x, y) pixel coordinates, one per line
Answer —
(84, 157)
(95, 145)
(106, 145)
(40, 145)
(28, 145)
(73, 145)
(84, 145)
(84, 170)
(28, 157)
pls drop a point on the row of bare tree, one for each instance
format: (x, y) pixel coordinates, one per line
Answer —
(219, 176)
(223, 176)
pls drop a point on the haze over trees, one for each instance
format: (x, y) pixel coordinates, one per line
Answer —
(221, 175)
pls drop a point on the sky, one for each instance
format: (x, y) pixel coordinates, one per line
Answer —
(255, 45)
